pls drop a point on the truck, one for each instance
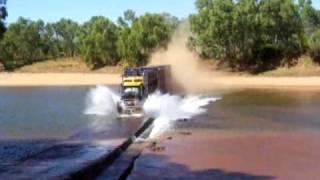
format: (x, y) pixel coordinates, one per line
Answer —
(137, 84)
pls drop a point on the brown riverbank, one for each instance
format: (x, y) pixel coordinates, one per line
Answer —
(74, 79)
(57, 79)
(211, 154)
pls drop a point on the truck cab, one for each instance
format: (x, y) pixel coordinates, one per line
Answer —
(137, 84)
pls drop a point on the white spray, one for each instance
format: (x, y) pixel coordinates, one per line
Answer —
(165, 108)
(101, 105)
(102, 101)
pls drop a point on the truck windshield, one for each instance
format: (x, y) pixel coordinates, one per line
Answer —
(130, 92)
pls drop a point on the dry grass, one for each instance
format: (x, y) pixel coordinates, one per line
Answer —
(66, 65)
(305, 67)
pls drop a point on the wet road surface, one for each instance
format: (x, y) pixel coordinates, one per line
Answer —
(249, 134)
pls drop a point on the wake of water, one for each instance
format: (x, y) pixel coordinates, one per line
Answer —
(165, 108)
(102, 101)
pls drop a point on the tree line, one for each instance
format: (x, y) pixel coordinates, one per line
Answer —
(255, 34)
(3, 15)
(99, 41)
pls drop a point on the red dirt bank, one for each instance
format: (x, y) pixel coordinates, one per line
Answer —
(212, 154)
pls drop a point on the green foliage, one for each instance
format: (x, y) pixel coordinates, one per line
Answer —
(314, 46)
(3, 15)
(51, 42)
(22, 43)
(309, 15)
(98, 42)
(27, 41)
(146, 34)
(241, 32)
(66, 33)
(212, 26)
(281, 26)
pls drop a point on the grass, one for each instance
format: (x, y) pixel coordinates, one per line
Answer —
(65, 65)
(305, 67)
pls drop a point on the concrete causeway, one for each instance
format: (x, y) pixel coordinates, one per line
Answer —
(72, 159)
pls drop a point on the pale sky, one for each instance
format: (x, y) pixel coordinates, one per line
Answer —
(83, 10)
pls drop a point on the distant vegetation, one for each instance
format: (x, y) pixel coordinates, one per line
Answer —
(255, 35)
(99, 41)
(3, 15)
(247, 35)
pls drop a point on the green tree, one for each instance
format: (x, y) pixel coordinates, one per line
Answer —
(3, 15)
(22, 43)
(51, 43)
(309, 15)
(173, 21)
(281, 26)
(128, 19)
(147, 33)
(314, 45)
(98, 42)
(66, 32)
(212, 27)
(245, 32)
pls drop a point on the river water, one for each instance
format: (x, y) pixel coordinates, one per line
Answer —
(263, 109)
(57, 112)
(53, 113)
(36, 118)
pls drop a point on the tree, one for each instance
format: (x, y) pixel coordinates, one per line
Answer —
(212, 28)
(51, 43)
(281, 26)
(128, 19)
(314, 45)
(3, 15)
(171, 20)
(310, 16)
(98, 42)
(246, 32)
(147, 33)
(66, 33)
(22, 43)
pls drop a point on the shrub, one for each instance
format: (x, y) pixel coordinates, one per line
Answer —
(314, 46)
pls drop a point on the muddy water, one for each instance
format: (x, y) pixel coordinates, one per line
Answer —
(53, 113)
(262, 109)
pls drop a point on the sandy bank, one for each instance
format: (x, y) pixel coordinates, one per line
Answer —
(57, 79)
(79, 79)
(240, 82)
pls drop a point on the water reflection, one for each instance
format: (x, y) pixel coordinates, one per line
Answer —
(263, 109)
(51, 113)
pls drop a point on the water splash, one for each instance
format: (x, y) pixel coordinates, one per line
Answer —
(166, 109)
(102, 101)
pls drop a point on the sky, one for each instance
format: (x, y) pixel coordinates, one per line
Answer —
(83, 10)
(316, 3)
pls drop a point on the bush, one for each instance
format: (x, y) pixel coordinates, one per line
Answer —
(314, 46)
